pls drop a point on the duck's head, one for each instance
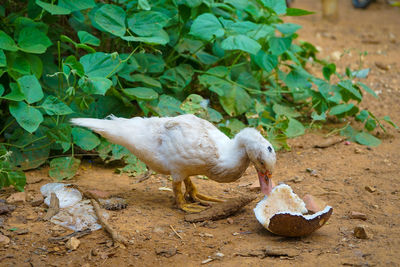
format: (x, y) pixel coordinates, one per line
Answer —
(262, 154)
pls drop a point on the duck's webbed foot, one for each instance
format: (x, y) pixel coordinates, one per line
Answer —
(191, 190)
(181, 202)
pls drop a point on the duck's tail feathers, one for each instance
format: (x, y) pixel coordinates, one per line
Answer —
(106, 127)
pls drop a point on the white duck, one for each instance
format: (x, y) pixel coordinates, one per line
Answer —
(186, 145)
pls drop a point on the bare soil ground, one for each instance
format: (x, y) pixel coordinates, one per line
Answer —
(343, 172)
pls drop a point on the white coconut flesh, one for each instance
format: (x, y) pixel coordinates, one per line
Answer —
(282, 200)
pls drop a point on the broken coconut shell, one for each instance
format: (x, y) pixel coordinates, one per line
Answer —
(282, 213)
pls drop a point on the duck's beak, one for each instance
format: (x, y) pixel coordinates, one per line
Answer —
(266, 183)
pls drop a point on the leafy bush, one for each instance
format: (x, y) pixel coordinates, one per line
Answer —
(233, 62)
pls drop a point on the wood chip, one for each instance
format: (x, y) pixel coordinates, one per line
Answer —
(54, 207)
(357, 215)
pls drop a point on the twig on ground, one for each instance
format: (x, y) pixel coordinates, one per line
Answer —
(220, 210)
(175, 231)
(144, 177)
(114, 234)
(76, 234)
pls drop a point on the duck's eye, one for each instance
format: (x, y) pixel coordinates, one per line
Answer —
(270, 149)
(262, 163)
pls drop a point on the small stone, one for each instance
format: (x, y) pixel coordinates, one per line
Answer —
(313, 204)
(219, 254)
(166, 252)
(358, 150)
(235, 234)
(309, 170)
(297, 179)
(336, 55)
(4, 208)
(56, 249)
(21, 231)
(357, 215)
(229, 220)
(392, 38)
(73, 243)
(4, 240)
(370, 189)
(208, 235)
(207, 261)
(360, 232)
(16, 198)
(158, 230)
(37, 200)
(382, 66)
(314, 173)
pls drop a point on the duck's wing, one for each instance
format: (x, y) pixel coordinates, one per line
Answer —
(189, 144)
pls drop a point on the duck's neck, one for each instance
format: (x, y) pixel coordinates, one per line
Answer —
(233, 161)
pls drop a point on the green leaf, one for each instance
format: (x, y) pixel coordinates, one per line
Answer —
(112, 19)
(75, 65)
(1, 90)
(85, 139)
(17, 179)
(161, 37)
(178, 78)
(31, 88)
(34, 153)
(32, 40)
(349, 132)
(3, 60)
(169, 106)
(61, 134)
(388, 120)
(149, 63)
(361, 74)
(367, 89)
(142, 93)
(147, 80)
(316, 117)
(341, 109)
(99, 64)
(64, 167)
(27, 117)
(348, 85)
(241, 42)
(297, 12)
(288, 28)
(95, 85)
(367, 139)
(278, 45)
(235, 100)
(53, 9)
(147, 23)
(328, 70)
(16, 94)
(87, 38)
(285, 110)
(36, 65)
(295, 128)
(370, 124)
(53, 106)
(144, 5)
(76, 5)
(7, 43)
(206, 26)
(278, 6)
(265, 61)
(362, 116)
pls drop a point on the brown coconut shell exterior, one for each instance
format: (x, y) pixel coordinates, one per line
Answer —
(290, 225)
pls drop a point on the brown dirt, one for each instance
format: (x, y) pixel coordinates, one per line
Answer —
(343, 172)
